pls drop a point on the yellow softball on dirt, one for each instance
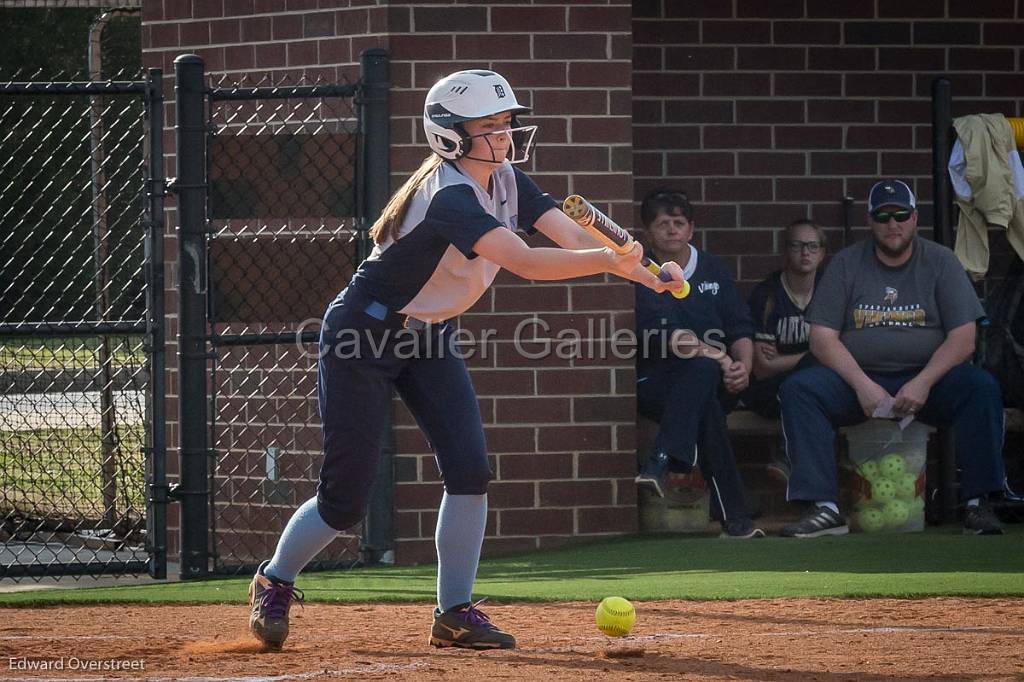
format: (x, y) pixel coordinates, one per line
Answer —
(615, 616)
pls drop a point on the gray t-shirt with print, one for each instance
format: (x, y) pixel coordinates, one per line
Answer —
(893, 319)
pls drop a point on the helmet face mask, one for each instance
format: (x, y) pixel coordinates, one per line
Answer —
(465, 96)
(518, 151)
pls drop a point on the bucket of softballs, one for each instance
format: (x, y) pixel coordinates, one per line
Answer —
(889, 466)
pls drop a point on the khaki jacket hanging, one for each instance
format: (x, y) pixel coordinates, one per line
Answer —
(988, 180)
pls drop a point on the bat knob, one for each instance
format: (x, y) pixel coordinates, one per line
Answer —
(684, 292)
(574, 206)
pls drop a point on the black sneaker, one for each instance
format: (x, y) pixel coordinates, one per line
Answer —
(467, 627)
(981, 520)
(654, 474)
(817, 522)
(740, 529)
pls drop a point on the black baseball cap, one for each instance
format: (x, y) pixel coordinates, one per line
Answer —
(890, 193)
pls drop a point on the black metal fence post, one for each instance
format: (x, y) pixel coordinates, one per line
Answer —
(847, 206)
(193, 422)
(374, 189)
(375, 136)
(156, 450)
(942, 121)
(942, 144)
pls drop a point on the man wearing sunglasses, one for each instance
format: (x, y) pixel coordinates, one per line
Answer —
(893, 319)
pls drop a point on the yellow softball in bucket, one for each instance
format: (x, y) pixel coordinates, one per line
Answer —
(615, 616)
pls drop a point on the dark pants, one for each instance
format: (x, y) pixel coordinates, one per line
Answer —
(355, 405)
(762, 396)
(816, 402)
(682, 396)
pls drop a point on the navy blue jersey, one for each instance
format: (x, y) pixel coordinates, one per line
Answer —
(431, 272)
(713, 311)
(777, 319)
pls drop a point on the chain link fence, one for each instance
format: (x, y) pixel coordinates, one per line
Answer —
(75, 369)
(269, 231)
(283, 240)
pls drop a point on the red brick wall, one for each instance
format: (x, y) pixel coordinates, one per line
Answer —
(765, 112)
(560, 430)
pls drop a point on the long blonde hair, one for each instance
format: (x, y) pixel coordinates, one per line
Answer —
(390, 221)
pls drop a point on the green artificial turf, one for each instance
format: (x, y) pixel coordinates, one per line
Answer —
(940, 561)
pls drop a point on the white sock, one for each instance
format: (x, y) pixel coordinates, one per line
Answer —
(830, 505)
(973, 502)
(461, 522)
(303, 538)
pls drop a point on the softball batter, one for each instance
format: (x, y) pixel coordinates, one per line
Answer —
(439, 243)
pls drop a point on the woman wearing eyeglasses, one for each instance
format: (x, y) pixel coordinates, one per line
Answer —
(782, 337)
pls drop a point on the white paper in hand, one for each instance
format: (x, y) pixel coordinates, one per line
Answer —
(884, 410)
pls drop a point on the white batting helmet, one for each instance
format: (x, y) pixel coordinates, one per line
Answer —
(467, 95)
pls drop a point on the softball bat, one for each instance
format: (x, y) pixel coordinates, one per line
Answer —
(606, 231)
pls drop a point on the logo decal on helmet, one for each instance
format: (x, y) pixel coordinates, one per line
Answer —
(499, 91)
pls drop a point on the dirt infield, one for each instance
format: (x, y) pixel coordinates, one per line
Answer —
(783, 639)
